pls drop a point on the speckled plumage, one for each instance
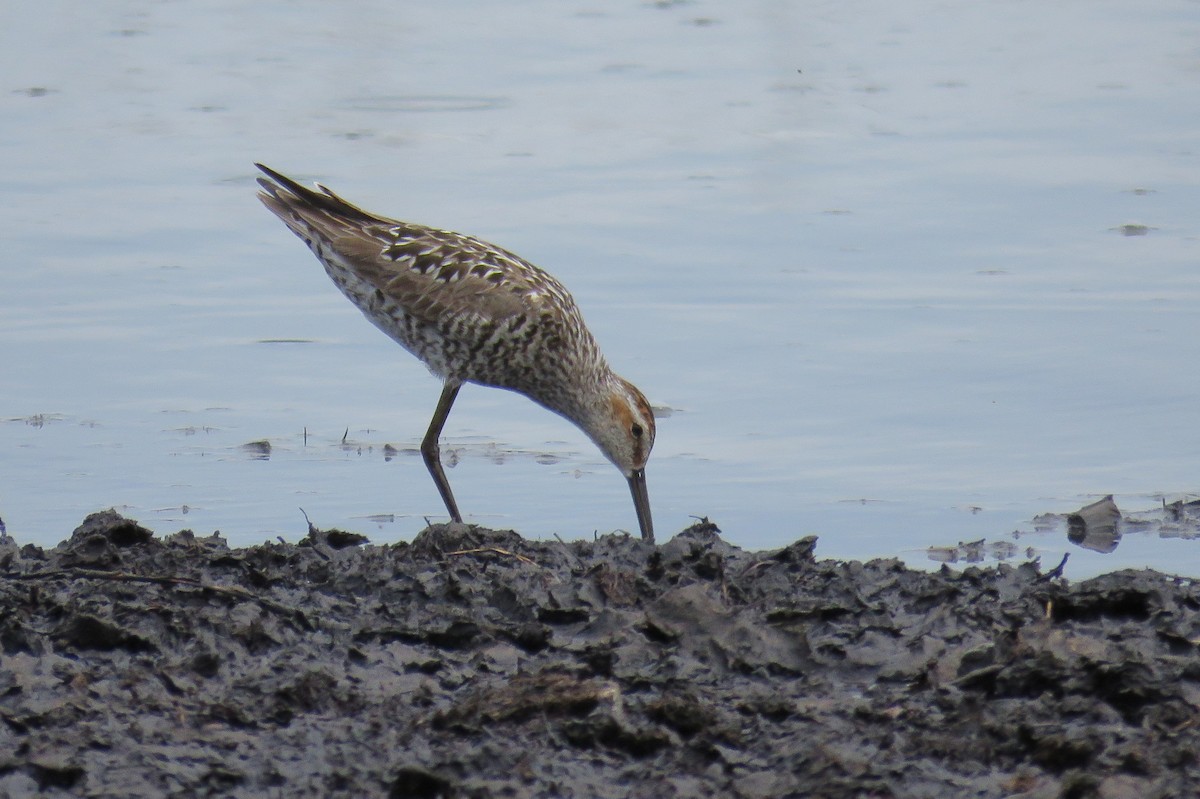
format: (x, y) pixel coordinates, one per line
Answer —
(473, 312)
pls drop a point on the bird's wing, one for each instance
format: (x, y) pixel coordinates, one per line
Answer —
(434, 274)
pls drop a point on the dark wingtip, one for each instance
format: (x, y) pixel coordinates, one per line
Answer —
(282, 180)
(324, 199)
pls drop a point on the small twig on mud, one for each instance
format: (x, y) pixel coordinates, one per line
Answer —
(311, 530)
(1056, 571)
(753, 567)
(497, 550)
(567, 549)
(126, 577)
(978, 676)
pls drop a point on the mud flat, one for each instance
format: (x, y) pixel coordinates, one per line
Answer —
(474, 663)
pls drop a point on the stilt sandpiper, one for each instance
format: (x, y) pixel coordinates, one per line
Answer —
(474, 313)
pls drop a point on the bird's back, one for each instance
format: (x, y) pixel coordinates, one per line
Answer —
(470, 310)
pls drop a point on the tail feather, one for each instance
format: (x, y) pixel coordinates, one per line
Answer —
(285, 196)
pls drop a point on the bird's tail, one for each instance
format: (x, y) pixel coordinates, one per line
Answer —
(303, 208)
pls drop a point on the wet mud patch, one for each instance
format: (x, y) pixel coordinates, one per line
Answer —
(473, 663)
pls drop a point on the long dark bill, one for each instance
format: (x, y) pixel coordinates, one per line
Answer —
(641, 503)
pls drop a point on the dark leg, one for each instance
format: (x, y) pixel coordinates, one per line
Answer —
(432, 453)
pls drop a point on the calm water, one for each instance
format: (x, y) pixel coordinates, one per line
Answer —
(872, 259)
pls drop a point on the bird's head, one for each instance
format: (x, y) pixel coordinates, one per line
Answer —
(625, 434)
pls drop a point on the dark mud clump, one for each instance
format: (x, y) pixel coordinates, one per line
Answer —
(473, 663)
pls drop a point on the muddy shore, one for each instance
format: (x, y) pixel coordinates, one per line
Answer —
(474, 663)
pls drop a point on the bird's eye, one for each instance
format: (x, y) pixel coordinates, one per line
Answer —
(637, 430)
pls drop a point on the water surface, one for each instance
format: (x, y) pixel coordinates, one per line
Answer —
(898, 275)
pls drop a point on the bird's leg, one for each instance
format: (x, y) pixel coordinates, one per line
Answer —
(432, 453)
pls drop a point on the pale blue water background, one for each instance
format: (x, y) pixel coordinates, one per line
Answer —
(870, 254)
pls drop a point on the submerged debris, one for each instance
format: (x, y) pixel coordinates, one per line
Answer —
(258, 450)
(1096, 526)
